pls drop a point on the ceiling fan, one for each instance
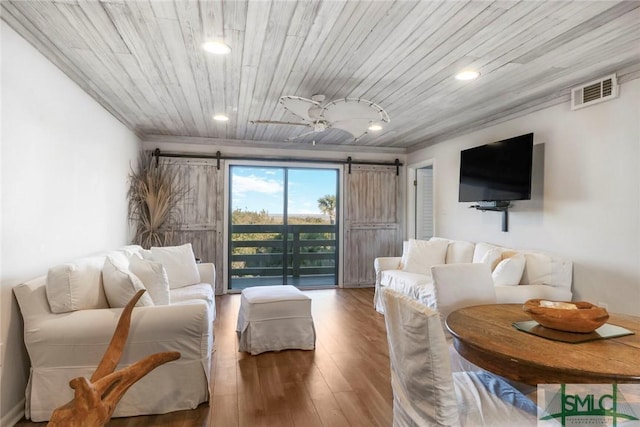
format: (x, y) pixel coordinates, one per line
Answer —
(353, 115)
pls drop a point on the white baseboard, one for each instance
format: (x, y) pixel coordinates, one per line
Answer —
(12, 417)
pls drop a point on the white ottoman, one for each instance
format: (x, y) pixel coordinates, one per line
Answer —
(273, 318)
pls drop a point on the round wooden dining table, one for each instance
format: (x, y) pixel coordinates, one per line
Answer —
(485, 336)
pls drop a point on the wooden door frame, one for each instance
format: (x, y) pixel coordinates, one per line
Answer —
(411, 196)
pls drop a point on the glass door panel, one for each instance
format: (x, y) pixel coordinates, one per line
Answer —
(257, 243)
(312, 229)
(283, 227)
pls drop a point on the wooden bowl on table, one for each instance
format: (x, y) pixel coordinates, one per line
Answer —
(575, 316)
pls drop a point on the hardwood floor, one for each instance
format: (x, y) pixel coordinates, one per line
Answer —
(345, 381)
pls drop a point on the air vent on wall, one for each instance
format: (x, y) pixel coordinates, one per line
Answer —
(593, 92)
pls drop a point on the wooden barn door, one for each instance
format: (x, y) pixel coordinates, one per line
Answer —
(202, 211)
(372, 220)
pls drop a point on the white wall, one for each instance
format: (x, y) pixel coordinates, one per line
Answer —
(586, 193)
(65, 162)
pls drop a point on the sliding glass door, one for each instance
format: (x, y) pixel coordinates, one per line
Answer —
(283, 227)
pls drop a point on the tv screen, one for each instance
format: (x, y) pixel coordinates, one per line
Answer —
(499, 171)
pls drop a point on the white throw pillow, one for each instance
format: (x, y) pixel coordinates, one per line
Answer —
(130, 250)
(492, 257)
(120, 285)
(145, 254)
(76, 285)
(481, 250)
(538, 269)
(403, 259)
(509, 271)
(180, 263)
(422, 255)
(154, 278)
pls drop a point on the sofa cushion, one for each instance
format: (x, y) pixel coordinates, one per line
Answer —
(76, 285)
(154, 278)
(509, 271)
(417, 286)
(186, 294)
(522, 293)
(180, 263)
(458, 251)
(120, 285)
(201, 292)
(423, 254)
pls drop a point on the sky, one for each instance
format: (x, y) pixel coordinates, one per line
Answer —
(257, 188)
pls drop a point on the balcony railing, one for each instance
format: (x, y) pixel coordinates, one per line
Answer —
(259, 251)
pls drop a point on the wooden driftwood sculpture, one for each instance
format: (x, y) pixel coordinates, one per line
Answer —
(95, 399)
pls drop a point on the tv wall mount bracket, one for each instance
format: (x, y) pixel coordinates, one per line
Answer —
(496, 206)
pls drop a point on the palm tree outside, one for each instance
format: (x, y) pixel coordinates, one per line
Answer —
(327, 205)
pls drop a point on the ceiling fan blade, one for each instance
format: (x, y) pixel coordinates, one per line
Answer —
(270, 122)
(354, 108)
(299, 106)
(356, 127)
(354, 115)
(300, 136)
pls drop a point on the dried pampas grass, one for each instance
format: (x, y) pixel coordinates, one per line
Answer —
(155, 193)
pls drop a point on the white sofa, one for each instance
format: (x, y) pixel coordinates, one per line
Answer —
(66, 332)
(544, 275)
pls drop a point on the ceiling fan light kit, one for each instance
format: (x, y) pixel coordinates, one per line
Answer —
(353, 115)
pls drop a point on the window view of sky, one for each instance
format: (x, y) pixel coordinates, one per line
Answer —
(258, 188)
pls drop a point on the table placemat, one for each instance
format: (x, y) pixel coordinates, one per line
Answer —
(603, 332)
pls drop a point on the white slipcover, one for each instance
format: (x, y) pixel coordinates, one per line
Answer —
(545, 275)
(68, 345)
(426, 392)
(274, 318)
(462, 285)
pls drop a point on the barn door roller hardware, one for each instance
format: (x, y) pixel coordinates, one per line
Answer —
(218, 157)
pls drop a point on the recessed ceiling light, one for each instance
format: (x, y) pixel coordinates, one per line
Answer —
(221, 118)
(467, 75)
(216, 47)
(375, 127)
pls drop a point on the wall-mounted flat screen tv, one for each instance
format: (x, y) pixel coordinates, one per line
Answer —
(499, 171)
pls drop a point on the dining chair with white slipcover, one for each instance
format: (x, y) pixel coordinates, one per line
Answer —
(426, 392)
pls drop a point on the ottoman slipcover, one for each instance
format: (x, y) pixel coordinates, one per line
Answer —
(273, 318)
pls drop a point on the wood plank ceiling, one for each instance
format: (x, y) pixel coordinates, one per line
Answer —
(143, 61)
